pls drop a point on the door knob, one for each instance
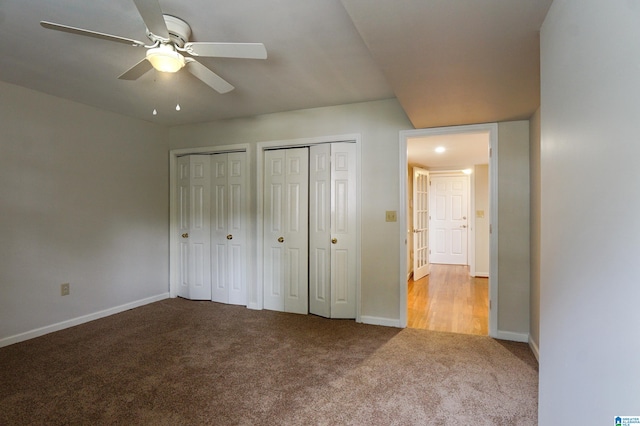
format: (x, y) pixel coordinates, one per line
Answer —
(185, 235)
(229, 237)
(281, 240)
(463, 226)
(334, 241)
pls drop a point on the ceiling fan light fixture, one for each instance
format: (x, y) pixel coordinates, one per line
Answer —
(164, 58)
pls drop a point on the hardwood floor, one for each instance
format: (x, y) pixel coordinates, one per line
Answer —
(448, 299)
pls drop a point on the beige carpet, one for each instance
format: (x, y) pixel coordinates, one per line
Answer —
(181, 362)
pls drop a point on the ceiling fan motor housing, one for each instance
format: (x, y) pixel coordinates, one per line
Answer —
(179, 30)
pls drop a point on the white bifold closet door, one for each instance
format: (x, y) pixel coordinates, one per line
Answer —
(193, 192)
(285, 225)
(332, 230)
(309, 252)
(212, 217)
(228, 233)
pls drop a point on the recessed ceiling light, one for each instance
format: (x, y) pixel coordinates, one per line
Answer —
(440, 149)
(467, 171)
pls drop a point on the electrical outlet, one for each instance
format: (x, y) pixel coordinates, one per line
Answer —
(391, 216)
(64, 289)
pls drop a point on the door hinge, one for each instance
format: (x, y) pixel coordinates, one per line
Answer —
(490, 229)
(489, 304)
(490, 152)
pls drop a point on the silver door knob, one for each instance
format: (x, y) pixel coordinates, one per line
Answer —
(463, 226)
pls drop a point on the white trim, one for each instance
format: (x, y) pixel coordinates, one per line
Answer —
(287, 143)
(79, 320)
(534, 348)
(492, 128)
(471, 214)
(512, 336)
(173, 233)
(387, 322)
(493, 226)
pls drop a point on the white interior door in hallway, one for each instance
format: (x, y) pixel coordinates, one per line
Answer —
(211, 216)
(193, 191)
(420, 223)
(332, 230)
(449, 202)
(285, 225)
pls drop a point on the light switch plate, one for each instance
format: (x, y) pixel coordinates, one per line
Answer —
(391, 216)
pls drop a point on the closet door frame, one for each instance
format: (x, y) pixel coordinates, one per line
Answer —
(174, 237)
(257, 302)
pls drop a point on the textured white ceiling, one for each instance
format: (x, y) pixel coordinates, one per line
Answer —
(447, 61)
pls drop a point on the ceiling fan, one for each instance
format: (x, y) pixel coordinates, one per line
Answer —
(170, 49)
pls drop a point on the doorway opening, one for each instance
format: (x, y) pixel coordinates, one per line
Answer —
(453, 288)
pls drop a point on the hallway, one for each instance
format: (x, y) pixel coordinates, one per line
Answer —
(448, 299)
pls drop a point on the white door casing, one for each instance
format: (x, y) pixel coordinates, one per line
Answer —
(491, 130)
(193, 188)
(285, 218)
(420, 223)
(448, 219)
(332, 230)
(228, 228)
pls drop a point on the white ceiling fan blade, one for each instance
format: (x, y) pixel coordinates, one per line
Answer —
(210, 78)
(137, 71)
(152, 16)
(227, 50)
(89, 33)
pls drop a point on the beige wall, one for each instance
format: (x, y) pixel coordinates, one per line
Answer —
(534, 174)
(84, 200)
(379, 124)
(590, 233)
(513, 228)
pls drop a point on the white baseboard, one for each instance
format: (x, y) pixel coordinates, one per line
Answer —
(387, 322)
(79, 320)
(534, 348)
(514, 337)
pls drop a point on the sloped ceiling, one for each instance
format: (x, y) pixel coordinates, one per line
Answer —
(447, 61)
